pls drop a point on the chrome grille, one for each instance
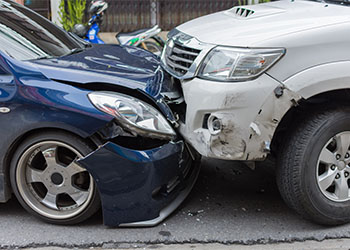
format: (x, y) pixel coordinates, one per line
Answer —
(179, 58)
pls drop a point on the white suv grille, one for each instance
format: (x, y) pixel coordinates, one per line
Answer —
(179, 58)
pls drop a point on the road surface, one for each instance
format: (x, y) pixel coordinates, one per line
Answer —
(230, 204)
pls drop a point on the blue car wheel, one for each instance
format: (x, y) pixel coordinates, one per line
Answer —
(49, 183)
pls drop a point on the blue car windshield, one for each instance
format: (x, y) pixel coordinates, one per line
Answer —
(25, 35)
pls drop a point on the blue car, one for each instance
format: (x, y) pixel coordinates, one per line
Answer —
(87, 126)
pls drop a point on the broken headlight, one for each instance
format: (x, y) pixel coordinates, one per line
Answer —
(133, 114)
(238, 64)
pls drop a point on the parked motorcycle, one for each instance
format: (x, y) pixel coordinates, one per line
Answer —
(145, 38)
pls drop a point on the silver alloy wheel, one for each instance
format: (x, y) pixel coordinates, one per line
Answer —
(333, 168)
(51, 182)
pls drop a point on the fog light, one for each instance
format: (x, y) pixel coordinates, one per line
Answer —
(214, 125)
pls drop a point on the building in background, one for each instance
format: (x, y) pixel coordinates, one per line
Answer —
(41, 6)
(129, 15)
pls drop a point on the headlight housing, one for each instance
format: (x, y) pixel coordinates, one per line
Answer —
(133, 114)
(238, 64)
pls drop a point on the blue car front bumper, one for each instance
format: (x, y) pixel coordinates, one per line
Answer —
(141, 188)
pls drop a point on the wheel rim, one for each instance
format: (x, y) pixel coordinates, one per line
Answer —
(51, 182)
(333, 168)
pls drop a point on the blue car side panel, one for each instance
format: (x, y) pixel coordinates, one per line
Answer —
(37, 102)
(126, 179)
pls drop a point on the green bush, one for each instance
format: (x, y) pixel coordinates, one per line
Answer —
(71, 12)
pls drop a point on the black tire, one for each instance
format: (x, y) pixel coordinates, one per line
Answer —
(298, 166)
(34, 152)
(153, 47)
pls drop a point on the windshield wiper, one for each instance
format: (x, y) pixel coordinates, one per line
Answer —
(75, 51)
(44, 57)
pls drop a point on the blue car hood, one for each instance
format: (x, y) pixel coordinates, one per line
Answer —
(125, 66)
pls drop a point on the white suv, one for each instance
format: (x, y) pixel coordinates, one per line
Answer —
(273, 79)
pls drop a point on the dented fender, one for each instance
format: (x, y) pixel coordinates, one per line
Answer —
(264, 125)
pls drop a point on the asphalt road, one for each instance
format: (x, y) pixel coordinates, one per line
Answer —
(230, 204)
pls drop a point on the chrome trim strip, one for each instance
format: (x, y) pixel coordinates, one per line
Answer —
(177, 58)
(181, 51)
(173, 65)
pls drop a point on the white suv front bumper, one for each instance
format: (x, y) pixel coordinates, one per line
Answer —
(247, 114)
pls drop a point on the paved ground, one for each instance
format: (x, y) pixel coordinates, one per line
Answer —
(230, 204)
(337, 244)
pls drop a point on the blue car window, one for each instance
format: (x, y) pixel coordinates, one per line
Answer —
(25, 35)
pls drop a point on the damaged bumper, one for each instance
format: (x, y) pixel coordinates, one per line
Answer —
(234, 120)
(141, 187)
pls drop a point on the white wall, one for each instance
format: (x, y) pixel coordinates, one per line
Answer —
(54, 12)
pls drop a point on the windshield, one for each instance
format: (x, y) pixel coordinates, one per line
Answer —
(25, 35)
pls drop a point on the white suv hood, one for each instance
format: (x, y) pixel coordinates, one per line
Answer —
(255, 24)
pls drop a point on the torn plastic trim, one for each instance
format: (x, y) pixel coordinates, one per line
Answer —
(265, 124)
(112, 130)
(169, 209)
(114, 133)
(225, 145)
(127, 180)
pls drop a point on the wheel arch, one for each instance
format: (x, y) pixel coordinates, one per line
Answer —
(6, 162)
(329, 99)
(325, 83)
(320, 79)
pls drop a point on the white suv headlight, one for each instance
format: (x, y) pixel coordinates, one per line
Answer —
(238, 64)
(133, 114)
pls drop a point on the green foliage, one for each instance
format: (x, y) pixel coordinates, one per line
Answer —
(71, 13)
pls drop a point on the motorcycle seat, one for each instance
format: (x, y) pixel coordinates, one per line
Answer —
(133, 33)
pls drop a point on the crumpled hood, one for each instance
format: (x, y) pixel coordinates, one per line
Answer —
(253, 24)
(125, 66)
(120, 65)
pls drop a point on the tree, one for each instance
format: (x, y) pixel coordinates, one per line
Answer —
(71, 13)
